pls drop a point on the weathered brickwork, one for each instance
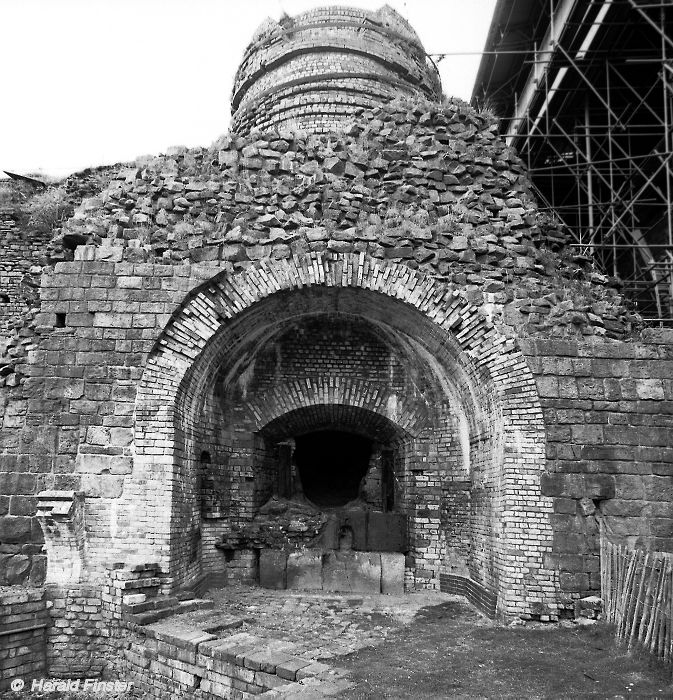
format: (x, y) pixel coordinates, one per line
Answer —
(260, 283)
(25, 247)
(75, 631)
(313, 71)
(20, 265)
(24, 619)
(305, 367)
(183, 662)
(102, 467)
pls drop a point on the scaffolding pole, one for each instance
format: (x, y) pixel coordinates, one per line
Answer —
(586, 118)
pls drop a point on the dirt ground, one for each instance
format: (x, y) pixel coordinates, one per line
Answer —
(429, 646)
(448, 652)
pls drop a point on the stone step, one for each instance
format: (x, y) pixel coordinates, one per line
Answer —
(195, 604)
(158, 603)
(148, 616)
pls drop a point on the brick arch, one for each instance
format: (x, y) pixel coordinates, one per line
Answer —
(360, 394)
(458, 339)
(210, 307)
(336, 416)
(415, 411)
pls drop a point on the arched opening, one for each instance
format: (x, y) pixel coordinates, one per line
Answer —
(324, 421)
(337, 456)
(460, 397)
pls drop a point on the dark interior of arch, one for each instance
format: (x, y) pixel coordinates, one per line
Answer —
(342, 454)
(332, 465)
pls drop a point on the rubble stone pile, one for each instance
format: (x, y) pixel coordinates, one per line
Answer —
(426, 184)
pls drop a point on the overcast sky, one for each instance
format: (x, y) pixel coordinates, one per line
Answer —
(91, 82)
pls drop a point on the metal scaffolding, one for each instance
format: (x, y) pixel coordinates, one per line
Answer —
(584, 92)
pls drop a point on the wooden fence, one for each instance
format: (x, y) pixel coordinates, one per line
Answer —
(637, 590)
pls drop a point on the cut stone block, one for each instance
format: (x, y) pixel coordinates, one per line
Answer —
(366, 572)
(357, 521)
(335, 573)
(288, 669)
(352, 572)
(304, 570)
(134, 598)
(386, 532)
(329, 535)
(392, 573)
(273, 569)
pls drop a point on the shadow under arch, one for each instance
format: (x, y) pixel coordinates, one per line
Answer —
(331, 452)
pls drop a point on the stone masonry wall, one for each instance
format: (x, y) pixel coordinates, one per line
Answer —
(103, 388)
(609, 414)
(80, 414)
(29, 212)
(172, 661)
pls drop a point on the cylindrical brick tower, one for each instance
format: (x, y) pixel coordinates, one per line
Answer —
(313, 71)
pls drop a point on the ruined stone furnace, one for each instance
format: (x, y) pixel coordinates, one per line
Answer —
(339, 349)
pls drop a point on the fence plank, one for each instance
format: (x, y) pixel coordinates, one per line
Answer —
(637, 590)
(640, 599)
